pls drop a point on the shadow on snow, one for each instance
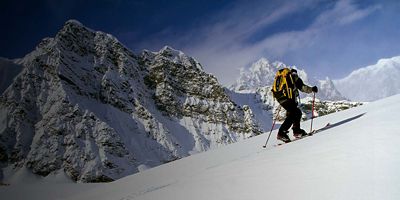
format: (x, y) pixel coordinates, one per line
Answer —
(341, 122)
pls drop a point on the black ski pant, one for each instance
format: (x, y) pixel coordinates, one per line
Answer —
(293, 117)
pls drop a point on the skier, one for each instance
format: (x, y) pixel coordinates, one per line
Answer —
(285, 90)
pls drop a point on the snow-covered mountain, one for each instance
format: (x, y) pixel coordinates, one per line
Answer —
(86, 106)
(354, 158)
(372, 82)
(327, 90)
(262, 73)
(8, 70)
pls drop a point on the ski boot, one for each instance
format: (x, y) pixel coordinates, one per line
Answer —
(299, 133)
(282, 136)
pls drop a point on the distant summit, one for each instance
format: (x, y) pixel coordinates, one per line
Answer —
(372, 82)
(261, 73)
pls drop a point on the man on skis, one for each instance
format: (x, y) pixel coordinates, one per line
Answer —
(286, 90)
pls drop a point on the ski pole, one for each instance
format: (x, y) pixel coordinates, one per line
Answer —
(273, 124)
(312, 112)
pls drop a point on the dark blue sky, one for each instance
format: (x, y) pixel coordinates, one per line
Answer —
(27, 22)
(326, 37)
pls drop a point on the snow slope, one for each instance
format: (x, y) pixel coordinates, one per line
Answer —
(358, 158)
(372, 82)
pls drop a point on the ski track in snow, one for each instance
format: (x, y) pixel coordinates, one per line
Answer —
(151, 189)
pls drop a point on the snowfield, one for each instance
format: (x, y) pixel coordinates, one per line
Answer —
(357, 158)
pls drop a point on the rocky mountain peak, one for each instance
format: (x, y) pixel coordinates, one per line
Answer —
(261, 73)
(169, 54)
(76, 29)
(260, 65)
(73, 22)
(86, 105)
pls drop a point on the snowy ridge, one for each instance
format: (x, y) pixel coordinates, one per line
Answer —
(175, 56)
(261, 73)
(85, 105)
(372, 82)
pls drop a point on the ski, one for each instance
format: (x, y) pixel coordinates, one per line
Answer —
(295, 139)
(321, 129)
(313, 132)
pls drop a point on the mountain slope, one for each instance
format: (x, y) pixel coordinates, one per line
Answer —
(372, 82)
(358, 158)
(87, 106)
(338, 163)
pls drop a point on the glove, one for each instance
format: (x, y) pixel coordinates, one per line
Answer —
(314, 89)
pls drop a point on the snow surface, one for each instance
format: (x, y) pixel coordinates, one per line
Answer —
(358, 158)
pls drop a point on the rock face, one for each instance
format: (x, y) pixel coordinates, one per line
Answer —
(8, 70)
(87, 105)
(328, 91)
